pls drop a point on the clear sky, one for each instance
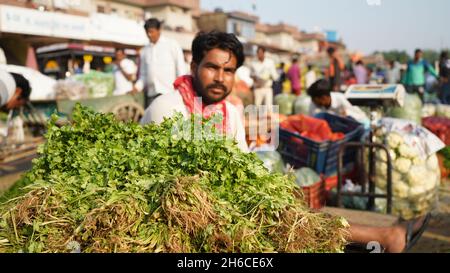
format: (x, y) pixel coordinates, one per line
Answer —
(365, 25)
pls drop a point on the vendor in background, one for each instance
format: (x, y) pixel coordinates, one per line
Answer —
(161, 62)
(360, 72)
(393, 73)
(124, 73)
(294, 75)
(15, 91)
(335, 69)
(444, 74)
(310, 77)
(264, 73)
(278, 84)
(415, 74)
(332, 102)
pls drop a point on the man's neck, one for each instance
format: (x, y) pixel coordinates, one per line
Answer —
(159, 39)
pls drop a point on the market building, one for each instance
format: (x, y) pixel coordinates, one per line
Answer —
(241, 24)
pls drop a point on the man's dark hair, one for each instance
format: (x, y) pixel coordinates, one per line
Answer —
(152, 23)
(418, 51)
(205, 42)
(319, 88)
(310, 67)
(23, 84)
(444, 55)
(331, 50)
(261, 48)
(360, 62)
(120, 50)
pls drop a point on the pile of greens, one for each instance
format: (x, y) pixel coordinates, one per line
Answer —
(101, 185)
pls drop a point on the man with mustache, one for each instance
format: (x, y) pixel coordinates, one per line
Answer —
(216, 57)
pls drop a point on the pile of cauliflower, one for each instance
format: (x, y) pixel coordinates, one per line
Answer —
(415, 180)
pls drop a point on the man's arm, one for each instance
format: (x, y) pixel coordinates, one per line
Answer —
(431, 70)
(128, 69)
(179, 60)
(139, 86)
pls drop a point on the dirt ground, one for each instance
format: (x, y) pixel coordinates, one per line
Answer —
(436, 239)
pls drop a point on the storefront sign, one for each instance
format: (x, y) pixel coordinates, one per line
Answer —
(42, 23)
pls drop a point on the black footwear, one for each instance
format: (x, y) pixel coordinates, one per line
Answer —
(411, 236)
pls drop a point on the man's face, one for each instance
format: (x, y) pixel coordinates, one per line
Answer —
(15, 101)
(260, 54)
(214, 76)
(322, 101)
(120, 55)
(153, 34)
(418, 55)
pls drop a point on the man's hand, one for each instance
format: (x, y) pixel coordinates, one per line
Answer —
(134, 91)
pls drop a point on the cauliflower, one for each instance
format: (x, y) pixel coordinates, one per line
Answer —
(381, 181)
(432, 181)
(400, 204)
(381, 169)
(400, 189)
(415, 191)
(402, 165)
(408, 151)
(428, 110)
(381, 155)
(394, 140)
(418, 161)
(433, 163)
(396, 176)
(417, 176)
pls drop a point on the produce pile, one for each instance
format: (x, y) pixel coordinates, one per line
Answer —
(100, 185)
(272, 160)
(438, 110)
(302, 104)
(412, 109)
(99, 84)
(415, 180)
(286, 103)
(439, 126)
(445, 154)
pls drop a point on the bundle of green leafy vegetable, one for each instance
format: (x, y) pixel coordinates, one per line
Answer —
(101, 185)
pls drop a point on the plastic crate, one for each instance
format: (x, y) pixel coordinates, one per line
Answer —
(321, 156)
(315, 195)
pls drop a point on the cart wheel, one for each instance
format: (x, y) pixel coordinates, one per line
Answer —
(129, 111)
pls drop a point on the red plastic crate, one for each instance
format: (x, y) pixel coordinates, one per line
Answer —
(315, 195)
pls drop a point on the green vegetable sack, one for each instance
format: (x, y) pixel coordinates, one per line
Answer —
(286, 103)
(306, 177)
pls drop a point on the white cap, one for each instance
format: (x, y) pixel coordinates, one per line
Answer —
(7, 87)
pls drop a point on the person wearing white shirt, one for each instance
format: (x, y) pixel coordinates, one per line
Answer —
(15, 90)
(161, 62)
(2, 56)
(216, 57)
(310, 76)
(332, 102)
(264, 73)
(124, 74)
